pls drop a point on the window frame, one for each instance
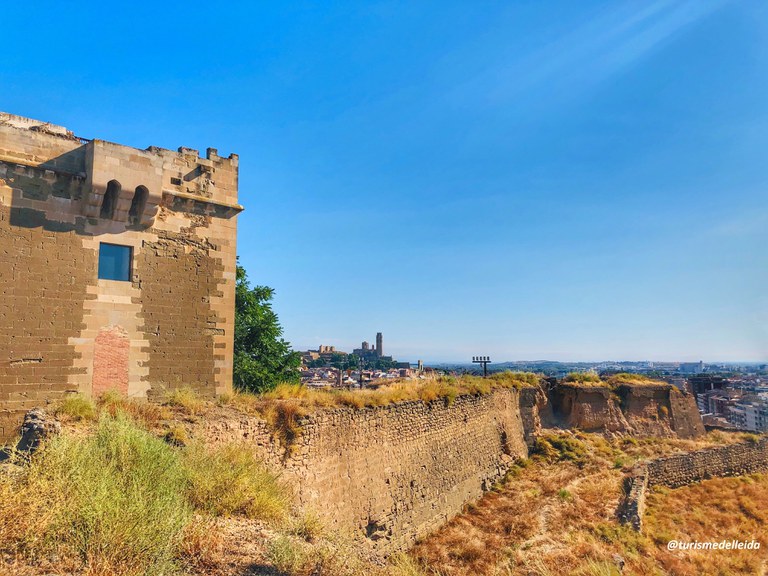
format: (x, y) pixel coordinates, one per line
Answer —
(102, 274)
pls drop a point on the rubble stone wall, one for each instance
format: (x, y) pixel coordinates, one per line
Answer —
(682, 469)
(392, 474)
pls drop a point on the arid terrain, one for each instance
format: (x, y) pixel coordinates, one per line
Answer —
(129, 489)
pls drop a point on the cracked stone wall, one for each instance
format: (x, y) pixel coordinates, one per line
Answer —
(62, 329)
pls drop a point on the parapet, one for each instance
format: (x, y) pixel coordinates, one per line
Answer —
(115, 173)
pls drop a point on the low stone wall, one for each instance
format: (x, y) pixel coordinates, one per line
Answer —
(733, 460)
(392, 474)
(683, 469)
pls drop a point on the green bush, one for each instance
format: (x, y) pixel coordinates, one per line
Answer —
(114, 499)
(228, 480)
(76, 407)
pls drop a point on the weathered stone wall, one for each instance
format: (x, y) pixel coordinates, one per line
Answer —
(535, 412)
(64, 329)
(683, 469)
(733, 460)
(394, 473)
(592, 408)
(646, 410)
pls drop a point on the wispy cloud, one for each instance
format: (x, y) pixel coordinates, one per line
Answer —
(607, 44)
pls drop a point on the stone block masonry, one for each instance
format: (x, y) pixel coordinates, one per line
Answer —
(683, 469)
(166, 320)
(395, 473)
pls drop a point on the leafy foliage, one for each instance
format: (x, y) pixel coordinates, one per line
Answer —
(262, 358)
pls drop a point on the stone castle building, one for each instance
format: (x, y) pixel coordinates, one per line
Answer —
(117, 268)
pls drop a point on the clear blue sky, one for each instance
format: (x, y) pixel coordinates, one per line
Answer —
(527, 180)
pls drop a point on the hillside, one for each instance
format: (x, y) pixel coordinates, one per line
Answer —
(556, 514)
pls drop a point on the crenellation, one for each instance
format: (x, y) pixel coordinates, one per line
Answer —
(62, 200)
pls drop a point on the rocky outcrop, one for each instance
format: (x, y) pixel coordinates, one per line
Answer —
(37, 426)
(590, 408)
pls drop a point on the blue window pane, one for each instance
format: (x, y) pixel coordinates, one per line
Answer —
(114, 262)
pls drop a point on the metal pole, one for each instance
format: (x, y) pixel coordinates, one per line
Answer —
(484, 360)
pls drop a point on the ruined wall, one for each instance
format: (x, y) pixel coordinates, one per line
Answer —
(646, 410)
(394, 473)
(535, 412)
(592, 408)
(683, 469)
(733, 460)
(63, 329)
(686, 418)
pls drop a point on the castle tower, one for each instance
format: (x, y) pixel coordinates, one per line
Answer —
(379, 344)
(113, 261)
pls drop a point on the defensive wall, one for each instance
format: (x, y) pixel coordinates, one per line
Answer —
(683, 469)
(392, 474)
(645, 409)
(117, 268)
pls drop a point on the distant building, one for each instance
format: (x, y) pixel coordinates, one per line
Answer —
(692, 367)
(368, 352)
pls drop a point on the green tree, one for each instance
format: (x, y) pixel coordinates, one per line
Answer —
(262, 358)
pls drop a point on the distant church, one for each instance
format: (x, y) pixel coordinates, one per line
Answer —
(369, 352)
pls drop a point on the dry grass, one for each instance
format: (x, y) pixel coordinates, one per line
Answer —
(227, 480)
(119, 501)
(445, 388)
(149, 415)
(186, 399)
(201, 545)
(633, 379)
(114, 501)
(555, 514)
(583, 379)
(712, 510)
(591, 380)
(75, 408)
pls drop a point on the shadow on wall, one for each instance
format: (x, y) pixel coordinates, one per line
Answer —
(62, 185)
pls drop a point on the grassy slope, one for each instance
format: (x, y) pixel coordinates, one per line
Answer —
(557, 516)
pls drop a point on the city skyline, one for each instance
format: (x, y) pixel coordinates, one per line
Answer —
(560, 181)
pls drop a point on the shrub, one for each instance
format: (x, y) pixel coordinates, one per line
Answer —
(114, 499)
(186, 399)
(227, 480)
(75, 407)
